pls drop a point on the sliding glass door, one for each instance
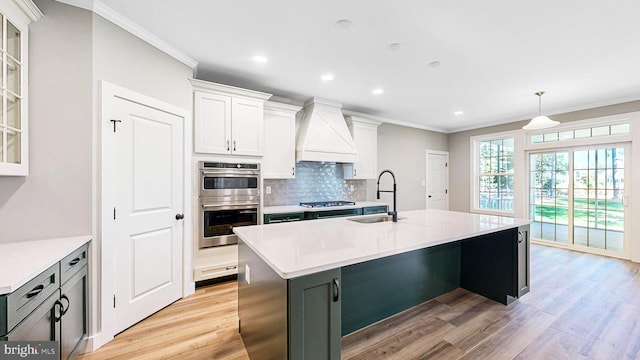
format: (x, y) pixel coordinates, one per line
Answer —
(576, 197)
(598, 189)
(549, 196)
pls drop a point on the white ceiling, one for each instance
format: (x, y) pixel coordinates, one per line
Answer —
(494, 54)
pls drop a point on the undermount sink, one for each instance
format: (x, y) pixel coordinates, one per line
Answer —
(374, 219)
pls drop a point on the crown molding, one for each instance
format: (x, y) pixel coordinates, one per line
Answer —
(30, 9)
(99, 8)
(393, 121)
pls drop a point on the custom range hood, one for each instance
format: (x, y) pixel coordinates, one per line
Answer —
(324, 135)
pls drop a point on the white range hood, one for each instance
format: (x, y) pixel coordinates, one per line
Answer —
(324, 135)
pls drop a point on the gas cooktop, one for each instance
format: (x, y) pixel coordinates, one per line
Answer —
(318, 204)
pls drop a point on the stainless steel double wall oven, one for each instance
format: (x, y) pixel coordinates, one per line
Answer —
(229, 197)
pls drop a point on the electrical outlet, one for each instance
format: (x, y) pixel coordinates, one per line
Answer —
(247, 273)
(351, 188)
(423, 183)
(267, 190)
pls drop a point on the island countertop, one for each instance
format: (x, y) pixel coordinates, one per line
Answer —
(301, 248)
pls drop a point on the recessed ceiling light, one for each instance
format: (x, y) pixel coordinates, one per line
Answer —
(458, 113)
(377, 91)
(434, 64)
(395, 46)
(344, 24)
(260, 59)
(327, 77)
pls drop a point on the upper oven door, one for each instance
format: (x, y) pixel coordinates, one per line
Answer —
(229, 183)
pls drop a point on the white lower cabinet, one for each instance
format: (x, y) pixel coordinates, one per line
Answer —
(279, 161)
(365, 136)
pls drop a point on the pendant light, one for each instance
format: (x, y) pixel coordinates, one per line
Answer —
(540, 122)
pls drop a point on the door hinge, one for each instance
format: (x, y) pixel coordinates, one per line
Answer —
(446, 164)
(114, 213)
(446, 191)
(114, 301)
(114, 124)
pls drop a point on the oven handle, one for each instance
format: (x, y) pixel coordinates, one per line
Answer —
(230, 206)
(231, 173)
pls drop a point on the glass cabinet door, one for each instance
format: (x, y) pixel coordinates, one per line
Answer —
(12, 125)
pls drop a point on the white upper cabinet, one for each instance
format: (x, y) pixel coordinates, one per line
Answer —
(365, 136)
(15, 16)
(228, 120)
(279, 160)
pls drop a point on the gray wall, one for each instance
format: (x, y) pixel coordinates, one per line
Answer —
(403, 150)
(127, 61)
(55, 199)
(70, 50)
(459, 152)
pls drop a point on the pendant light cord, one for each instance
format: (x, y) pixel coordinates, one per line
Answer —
(539, 93)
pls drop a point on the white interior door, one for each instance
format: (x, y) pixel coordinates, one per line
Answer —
(437, 180)
(144, 157)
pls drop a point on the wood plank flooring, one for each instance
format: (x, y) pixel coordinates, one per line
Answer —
(581, 306)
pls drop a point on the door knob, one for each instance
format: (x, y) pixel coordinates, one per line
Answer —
(179, 216)
(429, 196)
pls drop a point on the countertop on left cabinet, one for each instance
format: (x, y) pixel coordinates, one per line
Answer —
(22, 261)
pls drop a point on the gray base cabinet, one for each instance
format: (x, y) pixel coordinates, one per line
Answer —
(41, 325)
(74, 321)
(315, 316)
(50, 307)
(296, 319)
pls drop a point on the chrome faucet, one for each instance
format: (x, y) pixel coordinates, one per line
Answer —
(393, 213)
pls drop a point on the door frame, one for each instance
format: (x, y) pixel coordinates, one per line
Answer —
(426, 176)
(628, 166)
(104, 252)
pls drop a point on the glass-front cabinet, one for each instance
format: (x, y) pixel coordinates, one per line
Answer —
(15, 17)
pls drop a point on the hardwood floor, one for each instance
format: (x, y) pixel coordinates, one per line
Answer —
(581, 306)
(202, 326)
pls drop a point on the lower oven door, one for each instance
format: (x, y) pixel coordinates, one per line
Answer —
(218, 221)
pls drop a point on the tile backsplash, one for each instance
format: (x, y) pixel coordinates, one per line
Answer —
(314, 181)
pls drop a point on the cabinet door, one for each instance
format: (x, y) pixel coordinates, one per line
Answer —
(523, 260)
(212, 128)
(366, 139)
(365, 136)
(41, 325)
(246, 126)
(314, 316)
(279, 160)
(74, 320)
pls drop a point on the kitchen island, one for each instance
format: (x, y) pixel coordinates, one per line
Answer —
(302, 286)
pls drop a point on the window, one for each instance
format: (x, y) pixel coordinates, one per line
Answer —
(580, 133)
(494, 174)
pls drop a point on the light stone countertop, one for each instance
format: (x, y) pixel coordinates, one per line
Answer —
(298, 208)
(22, 261)
(295, 249)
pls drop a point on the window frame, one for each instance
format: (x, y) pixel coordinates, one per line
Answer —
(475, 172)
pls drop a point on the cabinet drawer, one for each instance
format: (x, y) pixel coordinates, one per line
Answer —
(375, 210)
(212, 272)
(72, 263)
(20, 303)
(283, 217)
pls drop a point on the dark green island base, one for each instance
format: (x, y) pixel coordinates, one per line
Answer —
(305, 317)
